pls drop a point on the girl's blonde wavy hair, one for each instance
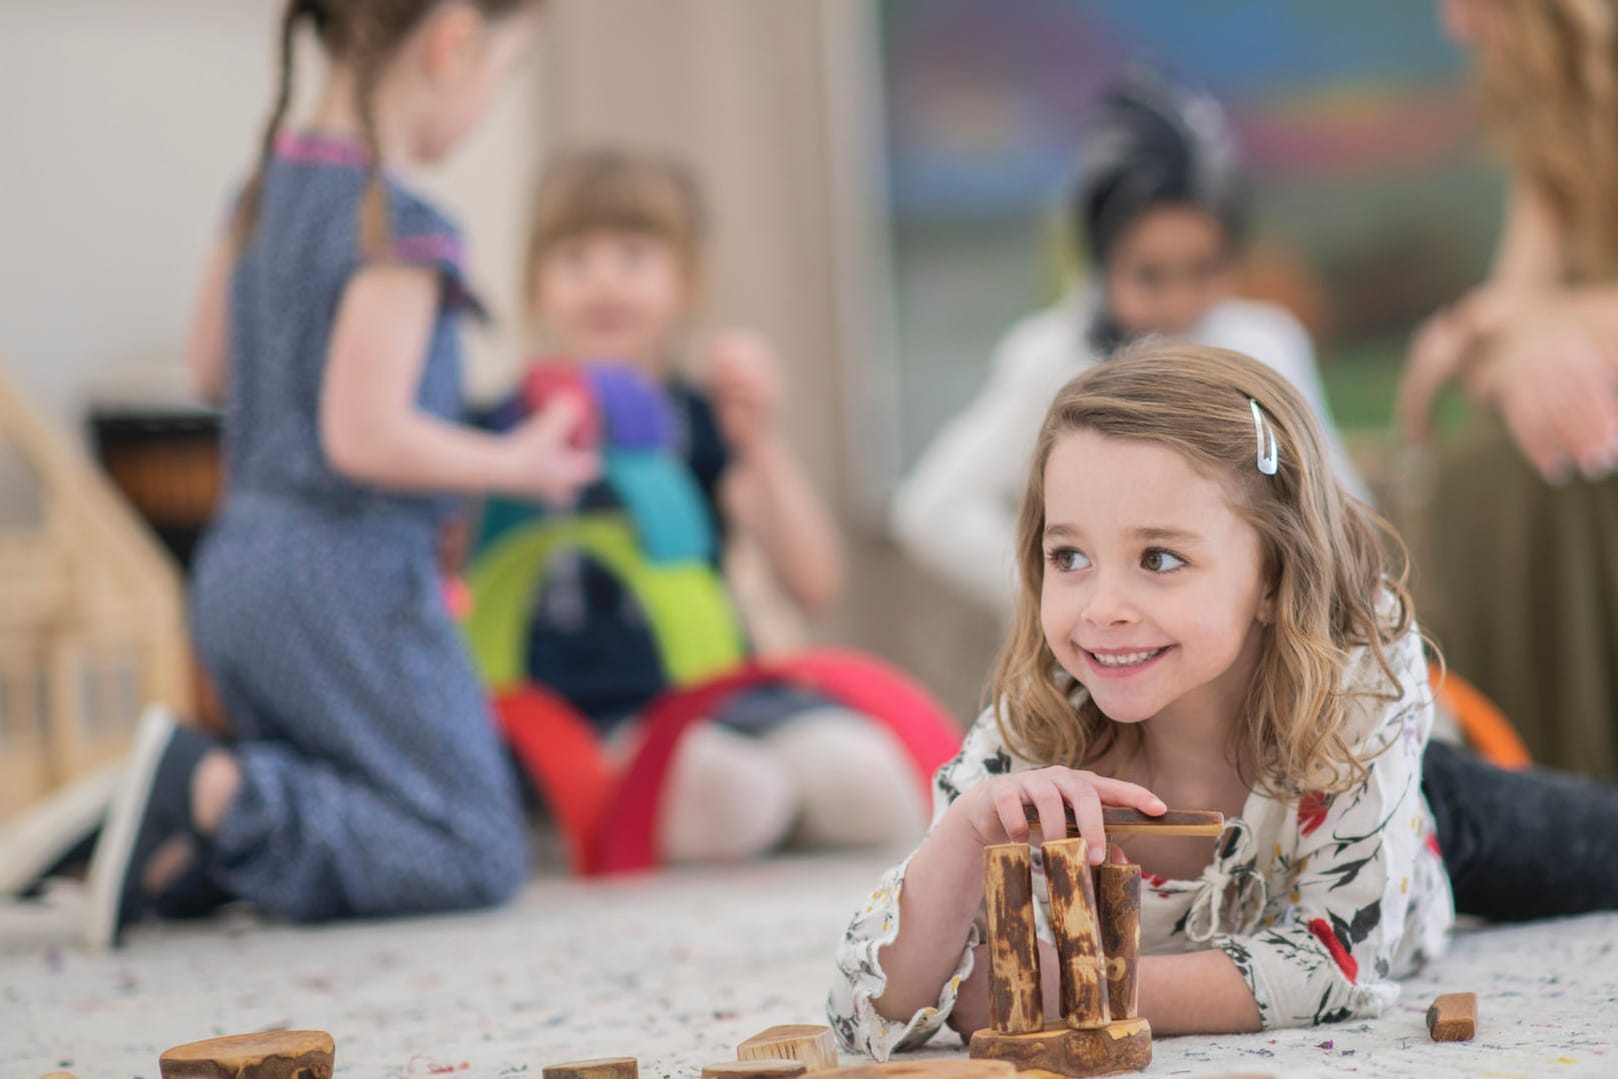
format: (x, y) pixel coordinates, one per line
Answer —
(1549, 87)
(1322, 558)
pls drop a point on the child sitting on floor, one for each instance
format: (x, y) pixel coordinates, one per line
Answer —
(615, 272)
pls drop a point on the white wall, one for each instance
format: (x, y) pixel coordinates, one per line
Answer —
(123, 127)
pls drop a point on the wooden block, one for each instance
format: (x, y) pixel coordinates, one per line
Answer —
(275, 1054)
(1453, 1017)
(1123, 1045)
(853, 1071)
(1118, 820)
(754, 1069)
(1118, 910)
(1078, 934)
(814, 1045)
(59, 1075)
(947, 1069)
(594, 1068)
(1016, 1001)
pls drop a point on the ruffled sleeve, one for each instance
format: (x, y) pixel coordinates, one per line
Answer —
(423, 236)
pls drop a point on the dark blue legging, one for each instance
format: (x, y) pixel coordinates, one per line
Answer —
(1522, 845)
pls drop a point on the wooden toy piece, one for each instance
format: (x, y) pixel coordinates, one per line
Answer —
(275, 1054)
(1124, 1045)
(1453, 1017)
(853, 1071)
(594, 1068)
(1117, 886)
(814, 1045)
(1016, 1001)
(947, 1069)
(1118, 820)
(754, 1069)
(59, 1075)
(1078, 935)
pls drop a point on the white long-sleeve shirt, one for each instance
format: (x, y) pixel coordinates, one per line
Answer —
(1321, 902)
(957, 511)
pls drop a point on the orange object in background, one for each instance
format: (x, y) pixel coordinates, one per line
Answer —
(1486, 728)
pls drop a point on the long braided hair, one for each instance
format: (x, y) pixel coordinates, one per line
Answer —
(364, 34)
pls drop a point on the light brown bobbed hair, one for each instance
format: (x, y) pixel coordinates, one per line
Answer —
(1334, 588)
(1548, 77)
(618, 190)
(365, 34)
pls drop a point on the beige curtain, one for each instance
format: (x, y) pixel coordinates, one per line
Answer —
(739, 89)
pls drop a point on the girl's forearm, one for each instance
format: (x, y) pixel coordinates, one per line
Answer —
(779, 507)
(1196, 993)
(416, 451)
(942, 892)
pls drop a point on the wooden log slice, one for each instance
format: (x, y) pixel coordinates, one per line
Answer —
(275, 1054)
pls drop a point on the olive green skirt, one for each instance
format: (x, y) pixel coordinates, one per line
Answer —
(1517, 581)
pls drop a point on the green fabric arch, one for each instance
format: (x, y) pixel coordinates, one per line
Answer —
(691, 617)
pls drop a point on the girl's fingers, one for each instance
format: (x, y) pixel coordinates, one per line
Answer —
(1087, 811)
(1047, 799)
(1082, 794)
(1117, 792)
(1008, 806)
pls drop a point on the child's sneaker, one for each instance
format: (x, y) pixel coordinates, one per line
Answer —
(56, 833)
(151, 806)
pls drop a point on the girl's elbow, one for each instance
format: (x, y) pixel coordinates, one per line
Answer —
(350, 451)
(819, 591)
(206, 372)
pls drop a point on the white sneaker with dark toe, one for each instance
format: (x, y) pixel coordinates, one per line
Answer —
(125, 836)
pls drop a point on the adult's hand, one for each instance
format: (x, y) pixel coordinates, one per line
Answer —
(1555, 385)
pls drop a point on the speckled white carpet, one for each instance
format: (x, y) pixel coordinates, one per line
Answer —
(675, 969)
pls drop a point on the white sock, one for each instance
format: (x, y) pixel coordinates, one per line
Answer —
(729, 797)
(857, 785)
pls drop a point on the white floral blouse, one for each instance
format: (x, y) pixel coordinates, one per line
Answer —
(1321, 901)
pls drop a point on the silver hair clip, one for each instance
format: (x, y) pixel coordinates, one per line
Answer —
(1269, 458)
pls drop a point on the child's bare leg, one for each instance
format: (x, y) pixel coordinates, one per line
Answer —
(858, 787)
(730, 797)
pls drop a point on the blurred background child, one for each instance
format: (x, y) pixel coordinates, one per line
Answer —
(615, 274)
(1157, 216)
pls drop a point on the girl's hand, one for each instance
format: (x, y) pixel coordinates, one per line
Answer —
(746, 383)
(544, 464)
(994, 812)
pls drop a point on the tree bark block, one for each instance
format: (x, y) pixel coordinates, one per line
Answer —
(1118, 910)
(276, 1054)
(1078, 934)
(814, 1045)
(1016, 1001)
(1124, 1045)
(1453, 1017)
(595, 1068)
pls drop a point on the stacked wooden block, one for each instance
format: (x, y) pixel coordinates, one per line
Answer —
(1095, 918)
